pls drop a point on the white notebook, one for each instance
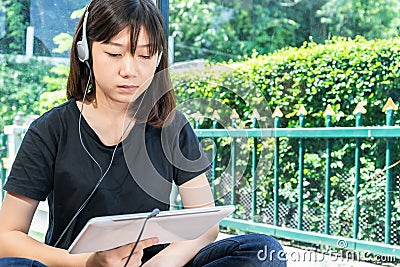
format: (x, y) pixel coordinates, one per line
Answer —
(108, 232)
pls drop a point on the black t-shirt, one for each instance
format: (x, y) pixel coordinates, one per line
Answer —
(52, 163)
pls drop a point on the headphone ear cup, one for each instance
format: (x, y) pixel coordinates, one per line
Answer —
(159, 59)
(83, 50)
(82, 46)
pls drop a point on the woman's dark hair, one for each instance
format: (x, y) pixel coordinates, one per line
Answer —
(106, 19)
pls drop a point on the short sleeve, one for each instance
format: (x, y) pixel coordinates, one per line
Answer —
(188, 157)
(32, 171)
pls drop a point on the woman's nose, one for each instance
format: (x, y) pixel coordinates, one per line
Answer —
(128, 66)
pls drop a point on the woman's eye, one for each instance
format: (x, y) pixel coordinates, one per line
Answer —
(145, 56)
(113, 55)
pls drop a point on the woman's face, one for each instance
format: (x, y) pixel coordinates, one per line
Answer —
(120, 76)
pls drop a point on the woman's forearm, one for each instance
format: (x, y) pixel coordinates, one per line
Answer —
(15, 218)
(18, 244)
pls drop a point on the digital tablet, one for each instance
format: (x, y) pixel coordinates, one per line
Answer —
(108, 232)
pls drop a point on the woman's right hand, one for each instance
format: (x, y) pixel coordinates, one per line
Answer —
(119, 255)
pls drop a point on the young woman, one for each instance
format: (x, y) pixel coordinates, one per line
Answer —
(118, 93)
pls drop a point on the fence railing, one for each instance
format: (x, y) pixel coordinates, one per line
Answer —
(3, 155)
(389, 244)
(275, 215)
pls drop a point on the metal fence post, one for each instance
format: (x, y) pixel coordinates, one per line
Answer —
(234, 117)
(215, 118)
(328, 123)
(256, 117)
(276, 115)
(389, 109)
(197, 117)
(301, 113)
(358, 111)
(3, 155)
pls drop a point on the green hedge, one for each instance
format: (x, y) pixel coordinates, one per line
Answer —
(342, 73)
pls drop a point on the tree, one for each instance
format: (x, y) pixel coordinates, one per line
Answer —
(45, 16)
(305, 15)
(368, 18)
(16, 21)
(223, 30)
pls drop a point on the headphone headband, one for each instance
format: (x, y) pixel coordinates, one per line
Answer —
(82, 46)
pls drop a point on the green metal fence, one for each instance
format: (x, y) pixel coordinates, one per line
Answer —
(3, 155)
(268, 216)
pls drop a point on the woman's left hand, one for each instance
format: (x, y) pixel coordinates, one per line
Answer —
(119, 256)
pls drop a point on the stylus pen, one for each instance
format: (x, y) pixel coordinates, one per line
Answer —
(151, 215)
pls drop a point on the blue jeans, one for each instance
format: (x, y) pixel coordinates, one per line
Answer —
(239, 251)
(19, 262)
(243, 251)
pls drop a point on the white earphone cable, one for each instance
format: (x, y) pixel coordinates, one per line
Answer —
(102, 175)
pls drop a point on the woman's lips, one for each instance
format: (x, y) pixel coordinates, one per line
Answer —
(128, 88)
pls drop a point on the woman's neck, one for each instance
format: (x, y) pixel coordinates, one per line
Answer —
(109, 107)
(109, 122)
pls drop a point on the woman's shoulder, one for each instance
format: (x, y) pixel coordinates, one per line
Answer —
(179, 119)
(175, 119)
(179, 126)
(56, 116)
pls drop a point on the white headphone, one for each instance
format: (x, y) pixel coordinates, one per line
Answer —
(159, 58)
(82, 46)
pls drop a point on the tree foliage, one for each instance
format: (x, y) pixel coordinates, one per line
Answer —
(21, 85)
(47, 17)
(227, 29)
(17, 19)
(371, 19)
(223, 30)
